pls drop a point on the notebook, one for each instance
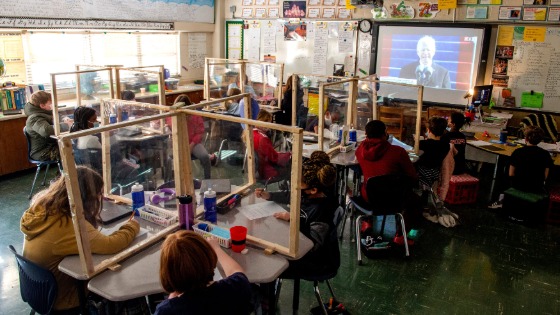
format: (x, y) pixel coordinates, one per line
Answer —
(217, 185)
(112, 212)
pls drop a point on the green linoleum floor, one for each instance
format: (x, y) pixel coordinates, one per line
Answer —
(485, 266)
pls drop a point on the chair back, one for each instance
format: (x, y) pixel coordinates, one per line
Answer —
(28, 138)
(386, 193)
(393, 117)
(37, 285)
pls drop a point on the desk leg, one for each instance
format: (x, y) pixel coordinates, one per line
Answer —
(494, 177)
(81, 286)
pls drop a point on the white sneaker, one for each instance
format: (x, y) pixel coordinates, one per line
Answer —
(495, 205)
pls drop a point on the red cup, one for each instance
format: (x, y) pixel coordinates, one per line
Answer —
(238, 238)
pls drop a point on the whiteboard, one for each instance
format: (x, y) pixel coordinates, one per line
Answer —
(298, 56)
(133, 10)
(534, 66)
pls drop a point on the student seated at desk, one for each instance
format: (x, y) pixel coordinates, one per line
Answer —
(232, 106)
(458, 139)
(255, 108)
(313, 125)
(378, 157)
(285, 117)
(186, 271)
(40, 127)
(317, 211)
(128, 95)
(49, 232)
(248, 89)
(195, 128)
(430, 162)
(269, 161)
(529, 166)
(85, 118)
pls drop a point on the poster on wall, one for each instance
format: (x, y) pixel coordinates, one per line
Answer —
(313, 13)
(294, 9)
(510, 13)
(534, 14)
(553, 15)
(427, 10)
(534, 2)
(477, 12)
(505, 52)
(401, 11)
(295, 31)
(500, 66)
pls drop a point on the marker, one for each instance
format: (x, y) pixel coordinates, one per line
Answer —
(362, 71)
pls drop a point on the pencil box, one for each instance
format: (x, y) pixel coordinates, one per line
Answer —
(228, 204)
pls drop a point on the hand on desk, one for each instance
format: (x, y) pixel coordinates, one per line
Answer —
(282, 215)
(262, 193)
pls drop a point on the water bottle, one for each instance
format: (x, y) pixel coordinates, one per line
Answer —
(210, 213)
(353, 134)
(334, 131)
(344, 140)
(186, 212)
(112, 118)
(137, 198)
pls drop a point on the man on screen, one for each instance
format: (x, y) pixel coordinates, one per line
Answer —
(425, 71)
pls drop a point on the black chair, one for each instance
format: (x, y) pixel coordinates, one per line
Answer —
(328, 275)
(386, 195)
(38, 163)
(37, 285)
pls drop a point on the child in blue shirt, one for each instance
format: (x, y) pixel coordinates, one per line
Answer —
(186, 271)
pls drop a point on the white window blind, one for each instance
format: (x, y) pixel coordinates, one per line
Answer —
(47, 53)
(160, 49)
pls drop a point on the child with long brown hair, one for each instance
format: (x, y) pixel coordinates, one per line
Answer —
(49, 231)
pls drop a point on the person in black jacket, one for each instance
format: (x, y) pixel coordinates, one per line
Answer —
(317, 212)
(285, 117)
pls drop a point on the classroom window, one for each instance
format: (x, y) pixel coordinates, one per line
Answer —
(47, 53)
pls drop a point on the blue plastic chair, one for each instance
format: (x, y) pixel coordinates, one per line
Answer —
(37, 285)
(38, 163)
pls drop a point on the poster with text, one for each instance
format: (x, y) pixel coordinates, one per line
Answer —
(510, 13)
(294, 9)
(534, 14)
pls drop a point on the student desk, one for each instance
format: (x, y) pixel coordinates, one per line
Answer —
(139, 275)
(493, 153)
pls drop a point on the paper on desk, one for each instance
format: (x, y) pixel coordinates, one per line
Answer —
(260, 210)
(111, 230)
(502, 115)
(548, 146)
(478, 143)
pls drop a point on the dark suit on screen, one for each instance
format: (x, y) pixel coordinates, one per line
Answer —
(438, 78)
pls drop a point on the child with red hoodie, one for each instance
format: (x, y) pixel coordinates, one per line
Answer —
(377, 157)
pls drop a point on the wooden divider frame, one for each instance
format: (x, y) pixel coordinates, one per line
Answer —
(419, 103)
(321, 116)
(242, 71)
(297, 146)
(218, 62)
(182, 173)
(159, 73)
(76, 204)
(54, 92)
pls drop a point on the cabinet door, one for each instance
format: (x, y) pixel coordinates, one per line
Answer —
(13, 146)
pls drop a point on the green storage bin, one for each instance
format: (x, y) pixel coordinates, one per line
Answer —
(153, 88)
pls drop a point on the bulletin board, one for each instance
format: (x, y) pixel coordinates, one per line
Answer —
(527, 58)
(312, 47)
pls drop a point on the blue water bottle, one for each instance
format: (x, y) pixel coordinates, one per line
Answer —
(137, 198)
(210, 213)
(353, 134)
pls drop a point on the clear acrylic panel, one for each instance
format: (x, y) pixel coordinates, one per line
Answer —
(222, 75)
(264, 82)
(143, 83)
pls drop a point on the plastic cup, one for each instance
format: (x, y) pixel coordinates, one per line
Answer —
(238, 237)
(142, 90)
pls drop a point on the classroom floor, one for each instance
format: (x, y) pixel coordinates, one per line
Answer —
(485, 266)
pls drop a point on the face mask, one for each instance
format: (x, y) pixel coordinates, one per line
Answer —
(328, 122)
(448, 128)
(95, 125)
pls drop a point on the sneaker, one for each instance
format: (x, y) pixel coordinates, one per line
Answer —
(399, 240)
(213, 159)
(495, 205)
(430, 217)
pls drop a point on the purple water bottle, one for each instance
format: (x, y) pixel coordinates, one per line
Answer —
(186, 212)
